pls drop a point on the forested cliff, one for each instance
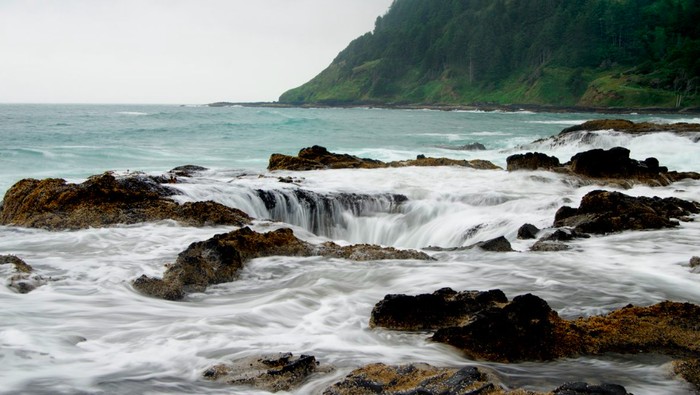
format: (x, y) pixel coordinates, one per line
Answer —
(608, 53)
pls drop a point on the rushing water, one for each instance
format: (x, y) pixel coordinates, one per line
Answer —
(88, 331)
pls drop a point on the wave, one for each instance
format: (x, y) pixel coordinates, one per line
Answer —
(135, 113)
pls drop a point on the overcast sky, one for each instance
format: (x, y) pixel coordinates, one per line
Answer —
(171, 51)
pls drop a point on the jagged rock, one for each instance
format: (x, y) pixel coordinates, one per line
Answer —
(281, 372)
(548, 246)
(531, 161)
(523, 329)
(614, 163)
(527, 329)
(527, 231)
(695, 261)
(587, 389)
(23, 281)
(317, 157)
(565, 235)
(218, 259)
(605, 212)
(442, 308)
(105, 200)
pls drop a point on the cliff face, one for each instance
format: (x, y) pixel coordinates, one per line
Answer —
(624, 53)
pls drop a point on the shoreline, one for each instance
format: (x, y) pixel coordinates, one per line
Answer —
(471, 107)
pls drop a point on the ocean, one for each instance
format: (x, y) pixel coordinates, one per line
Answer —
(87, 331)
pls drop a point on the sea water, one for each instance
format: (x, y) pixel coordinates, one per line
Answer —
(88, 331)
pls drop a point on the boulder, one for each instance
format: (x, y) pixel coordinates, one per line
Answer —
(106, 200)
(317, 158)
(523, 329)
(548, 246)
(614, 163)
(444, 307)
(605, 212)
(531, 161)
(274, 373)
(498, 244)
(218, 260)
(187, 171)
(528, 231)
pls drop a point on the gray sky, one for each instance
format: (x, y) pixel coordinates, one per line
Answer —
(171, 51)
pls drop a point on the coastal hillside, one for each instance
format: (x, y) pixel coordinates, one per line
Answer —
(597, 53)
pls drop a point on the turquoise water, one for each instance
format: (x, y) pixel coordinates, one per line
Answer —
(88, 331)
(76, 141)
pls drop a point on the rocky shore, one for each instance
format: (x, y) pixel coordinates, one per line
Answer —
(482, 325)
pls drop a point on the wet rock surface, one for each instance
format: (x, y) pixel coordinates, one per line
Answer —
(218, 260)
(531, 161)
(606, 212)
(318, 158)
(625, 126)
(413, 379)
(528, 231)
(23, 280)
(613, 166)
(587, 389)
(274, 373)
(444, 307)
(527, 329)
(106, 200)
(498, 244)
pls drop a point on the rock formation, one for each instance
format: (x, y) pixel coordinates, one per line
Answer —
(274, 373)
(317, 158)
(527, 329)
(605, 212)
(613, 166)
(218, 259)
(105, 200)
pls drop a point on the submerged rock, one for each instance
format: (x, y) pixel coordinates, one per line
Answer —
(580, 388)
(444, 307)
(498, 244)
(218, 259)
(280, 372)
(605, 212)
(317, 158)
(187, 170)
(689, 370)
(466, 147)
(695, 261)
(105, 200)
(23, 281)
(548, 246)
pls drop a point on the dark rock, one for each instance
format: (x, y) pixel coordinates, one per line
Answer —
(528, 231)
(442, 308)
(612, 163)
(625, 126)
(316, 158)
(565, 235)
(18, 263)
(466, 147)
(499, 244)
(695, 261)
(548, 246)
(281, 372)
(587, 389)
(522, 330)
(531, 161)
(187, 170)
(105, 200)
(414, 379)
(219, 259)
(605, 212)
